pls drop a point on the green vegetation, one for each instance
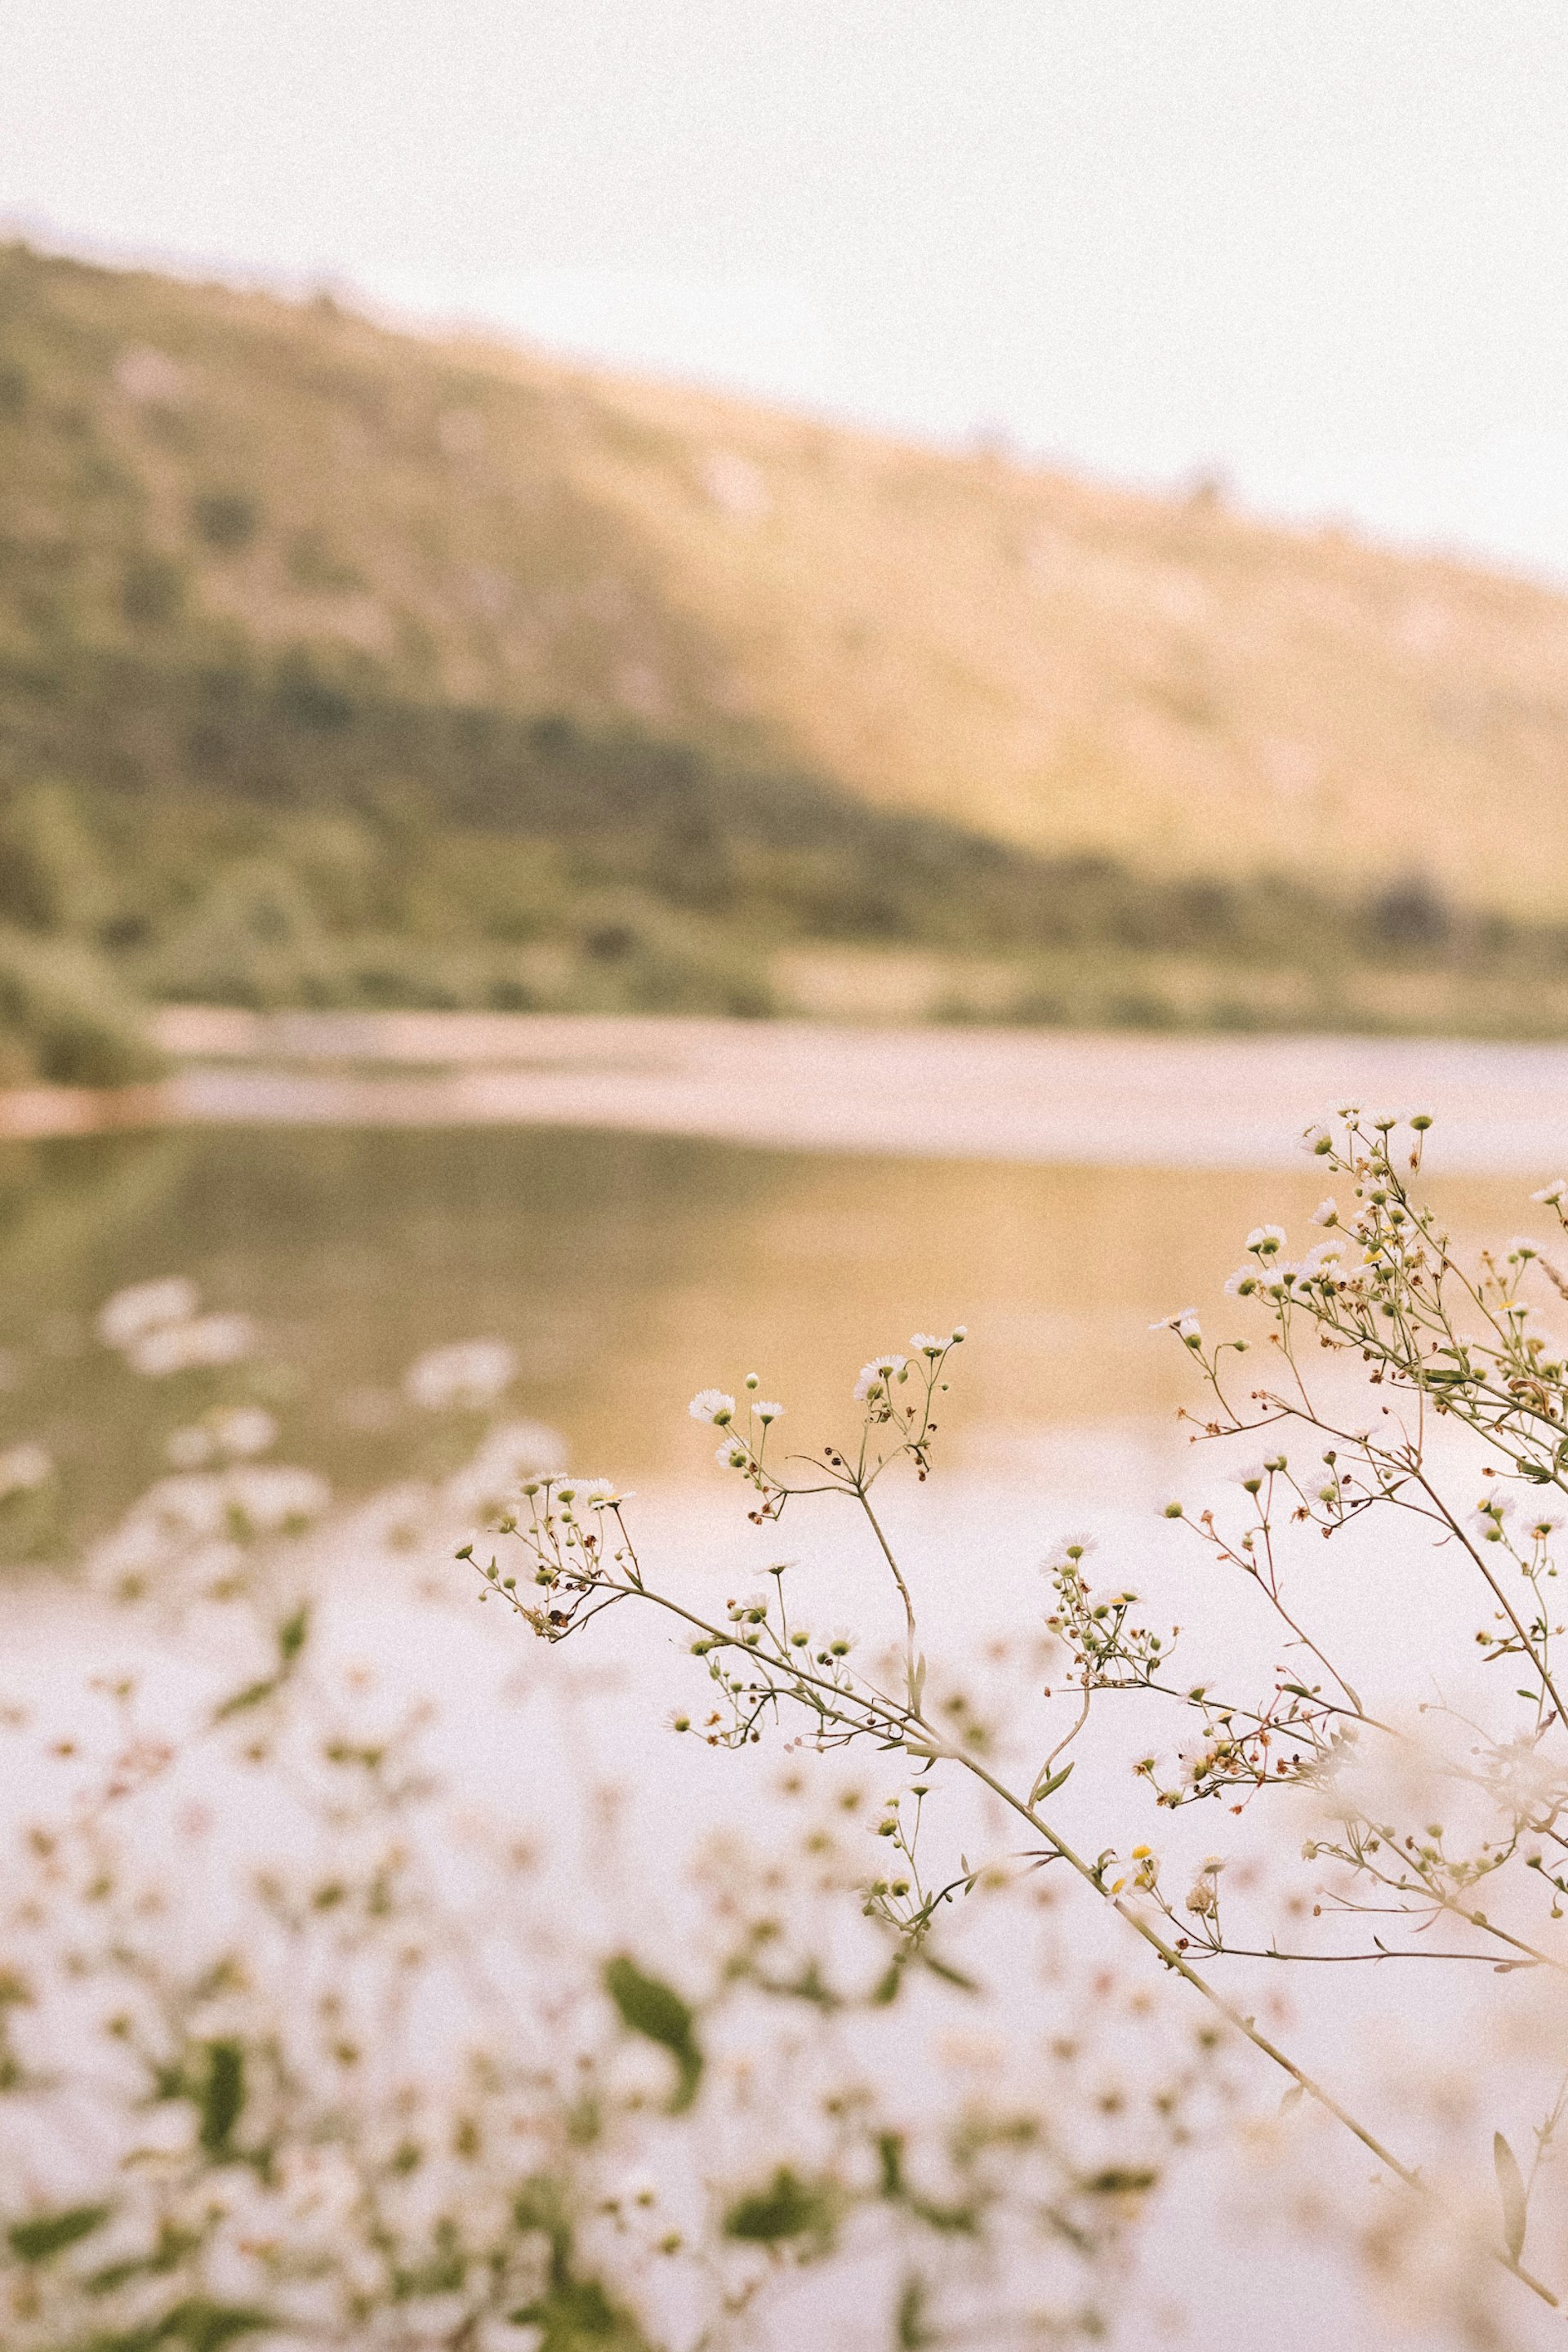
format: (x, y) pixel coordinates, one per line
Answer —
(345, 668)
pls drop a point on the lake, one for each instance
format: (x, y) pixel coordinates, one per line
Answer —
(626, 1269)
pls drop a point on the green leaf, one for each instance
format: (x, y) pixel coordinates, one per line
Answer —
(885, 1991)
(656, 2011)
(291, 1633)
(573, 2315)
(911, 2330)
(950, 1974)
(52, 2233)
(221, 2095)
(1512, 2189)
(1049, 1788)
(787, 2208)
(197, 2325)
(251, 1696)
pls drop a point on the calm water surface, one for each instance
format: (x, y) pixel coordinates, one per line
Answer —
(627, 1271)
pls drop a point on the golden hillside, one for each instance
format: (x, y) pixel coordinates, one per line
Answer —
(191, 470)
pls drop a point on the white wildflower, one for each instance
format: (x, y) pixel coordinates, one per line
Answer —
(207, 1341)
(470, 1372)
(146, 1307)
(1489, 1515)
(1550, 1196)
(925, 1343)
(244, 1431)
(23, 1467)
(1327, 1213)
(733, 1456)
(1266, 1241)
(1245, 1283)
(878, 1373)
(766, 1410)
(1326, 1252)
(713, 1405)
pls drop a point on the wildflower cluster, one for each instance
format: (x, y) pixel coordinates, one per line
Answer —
(293, 2048)
(1442, 1349)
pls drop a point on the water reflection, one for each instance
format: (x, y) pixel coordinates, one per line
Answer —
(625, 1270)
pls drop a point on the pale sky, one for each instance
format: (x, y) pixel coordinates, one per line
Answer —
(1320, 246)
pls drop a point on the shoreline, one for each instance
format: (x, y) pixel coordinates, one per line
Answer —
(1027, 1097)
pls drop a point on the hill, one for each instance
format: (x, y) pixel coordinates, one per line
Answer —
(349, 665)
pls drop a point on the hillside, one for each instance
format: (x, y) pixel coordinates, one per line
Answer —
(460, 674)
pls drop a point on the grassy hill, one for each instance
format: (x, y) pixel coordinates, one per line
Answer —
(340, 664)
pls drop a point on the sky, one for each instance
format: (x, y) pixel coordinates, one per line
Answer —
(1317, 248)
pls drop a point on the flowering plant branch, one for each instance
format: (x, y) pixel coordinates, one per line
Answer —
(764, 1664)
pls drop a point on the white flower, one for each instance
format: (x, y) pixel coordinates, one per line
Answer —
(713, 1405)
(1489, 1515)
(274, 1495)
(1186, 1325)
(1266, 1241)
(925, 1343)
(470, 1373)
(1550, 1196)
(733, 1456)
(598, 1493)
(1322, 1253)
(766, 1412)
(23, 1467)
(124, 1318)
(1327, 1213)
(1243, 1283)
(244, 1431)
(210, 1339)
(878, 1373)
(1522, 1246)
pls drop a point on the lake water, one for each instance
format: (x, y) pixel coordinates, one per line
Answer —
(625, 1270)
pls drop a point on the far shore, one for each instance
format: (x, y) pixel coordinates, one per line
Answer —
(1039, 1096)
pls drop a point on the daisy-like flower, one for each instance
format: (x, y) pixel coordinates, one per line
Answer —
(1328, 1252)
(878, 1373)
(1489, 1515)
(1550, 1196)
(713, 1405)
(1266, 1241)
(1318, 1141)
(1327, 1213)
(766, 1412)
(599, 1493)
(733, 1456)
(1245, 1283)
(924, 1344)
(1186, 1325)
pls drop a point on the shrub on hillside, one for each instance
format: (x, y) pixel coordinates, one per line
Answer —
(64, 1020)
